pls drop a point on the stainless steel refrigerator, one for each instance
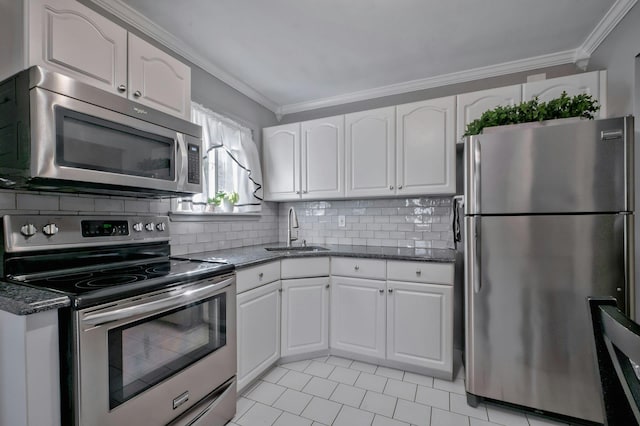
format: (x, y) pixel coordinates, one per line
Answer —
(548, 221)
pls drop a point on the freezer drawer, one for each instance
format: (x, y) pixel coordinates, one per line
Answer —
(578, 167)
(528, 334)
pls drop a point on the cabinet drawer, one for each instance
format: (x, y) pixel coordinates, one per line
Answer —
(305, 267)
(359, 268)
(423, 272)
(256, 276)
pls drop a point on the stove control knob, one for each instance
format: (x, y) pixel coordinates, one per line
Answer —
(50, 229)
(28, 230)
(137, 227)
(161, 226)
(150, 226)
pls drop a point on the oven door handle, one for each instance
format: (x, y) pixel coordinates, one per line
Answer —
(182, 298)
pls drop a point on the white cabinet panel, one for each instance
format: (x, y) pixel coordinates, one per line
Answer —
(424, 272)
(258, 331)
(158, 80)
(305, 315)
(69, 38)
(470, 106)
(305, 267)
(420, 324)
(256, 276)
(370, 152)
(358, 316)
(425, 147)
(323, 158)
(359, 268)
(281, 162)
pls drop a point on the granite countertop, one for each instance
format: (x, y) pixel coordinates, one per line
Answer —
(244, 257)
(23, 300)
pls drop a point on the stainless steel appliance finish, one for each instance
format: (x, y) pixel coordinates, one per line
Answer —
(548, 221)
(67, 135)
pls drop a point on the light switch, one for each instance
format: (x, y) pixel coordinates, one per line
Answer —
(341, 222)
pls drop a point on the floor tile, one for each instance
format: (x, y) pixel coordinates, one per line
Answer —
(459, 405)
(379, 403)
(344, 375)
(379, 420)
(321, 410)
(322, 358)
(275, 374)
(391, 373)
(348, 395)
(295, 379)
(371, 382)
(298, 365)
(418, 379)
(455, 387)
(504, 416)
(242, 405)
(292, 401)
(400, 389)
(416, 414)
(318, 424)
(320, 387)
(478, 422)
(259, 415)
(363, 366)
(539, 421)
(319, 369)
(350, 416)
(446, 418)
(266, 392)
(340, 362)
(288, 419)
(433, 397)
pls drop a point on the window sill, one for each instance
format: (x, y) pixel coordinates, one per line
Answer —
(211, 216)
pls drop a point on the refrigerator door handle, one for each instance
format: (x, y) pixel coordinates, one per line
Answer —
(472, 175)
(473, 243)
(458, 202)
(629, 256)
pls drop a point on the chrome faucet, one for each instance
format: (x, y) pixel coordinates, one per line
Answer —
(292, 222)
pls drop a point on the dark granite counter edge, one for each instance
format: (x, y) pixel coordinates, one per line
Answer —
(23, 300)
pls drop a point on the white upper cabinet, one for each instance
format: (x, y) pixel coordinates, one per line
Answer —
(70, 38)
(425, 147)
(592, 83)
(370, 152)
(471, 106)
(281, 162)
(322, 174)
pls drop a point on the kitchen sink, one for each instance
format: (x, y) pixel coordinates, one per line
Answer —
(297, 248)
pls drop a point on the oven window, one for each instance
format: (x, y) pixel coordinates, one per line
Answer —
(92, 143)
(146, 352)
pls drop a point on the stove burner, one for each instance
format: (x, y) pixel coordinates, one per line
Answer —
(109, 281)
(161, 269)
(71, 277)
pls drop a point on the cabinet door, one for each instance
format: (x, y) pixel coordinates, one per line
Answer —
(281, 162)
(470, 106)
(323, 158)
(258, 331)
(425, 147)
(69, 38)
(158, 80)
(305, 315)
(593, 83)
(420, 324)
(358, 316)
(370, 152)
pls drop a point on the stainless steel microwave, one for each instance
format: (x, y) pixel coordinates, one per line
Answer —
(63, 135)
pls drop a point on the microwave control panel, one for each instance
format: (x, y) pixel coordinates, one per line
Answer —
(193, 161)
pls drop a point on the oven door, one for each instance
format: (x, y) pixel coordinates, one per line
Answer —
(76, 141)
(148, 359)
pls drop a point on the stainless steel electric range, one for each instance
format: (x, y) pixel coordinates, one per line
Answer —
(148, 339)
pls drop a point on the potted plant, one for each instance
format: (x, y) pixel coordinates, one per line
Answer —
(582, 106)
(224, 200)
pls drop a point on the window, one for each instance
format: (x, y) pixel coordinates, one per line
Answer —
(231, 165)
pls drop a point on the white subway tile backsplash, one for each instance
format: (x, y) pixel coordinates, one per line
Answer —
(77, 203)
(109, 205)
(37, 202)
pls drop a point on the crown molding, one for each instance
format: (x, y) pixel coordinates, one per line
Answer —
(608, 22)
(134, 18)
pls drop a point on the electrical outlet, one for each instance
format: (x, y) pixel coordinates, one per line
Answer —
(341, 221)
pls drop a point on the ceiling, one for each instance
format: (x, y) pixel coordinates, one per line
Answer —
(298, 55)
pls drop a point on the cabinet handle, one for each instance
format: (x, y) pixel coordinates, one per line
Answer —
(260, 275)
(399, 186)
(122, 88)
(297, 192)
(326, 286)
(390, 290)
(418, 272)
(137, 94)
(381, 291)
(391, 187)
(280, 290)
(356, 267)
(305, 191)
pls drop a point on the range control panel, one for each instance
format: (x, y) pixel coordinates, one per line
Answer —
(103, 228)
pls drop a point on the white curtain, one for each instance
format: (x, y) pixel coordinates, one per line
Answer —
(238, 163)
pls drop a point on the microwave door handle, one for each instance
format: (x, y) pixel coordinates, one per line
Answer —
(184, 297)
(181, 160)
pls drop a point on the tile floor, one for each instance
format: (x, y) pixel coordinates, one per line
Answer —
(342, 392)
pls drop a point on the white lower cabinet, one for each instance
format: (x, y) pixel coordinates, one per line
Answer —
(258, 316)
(420, 324)
(358, 316)
(305, 315)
